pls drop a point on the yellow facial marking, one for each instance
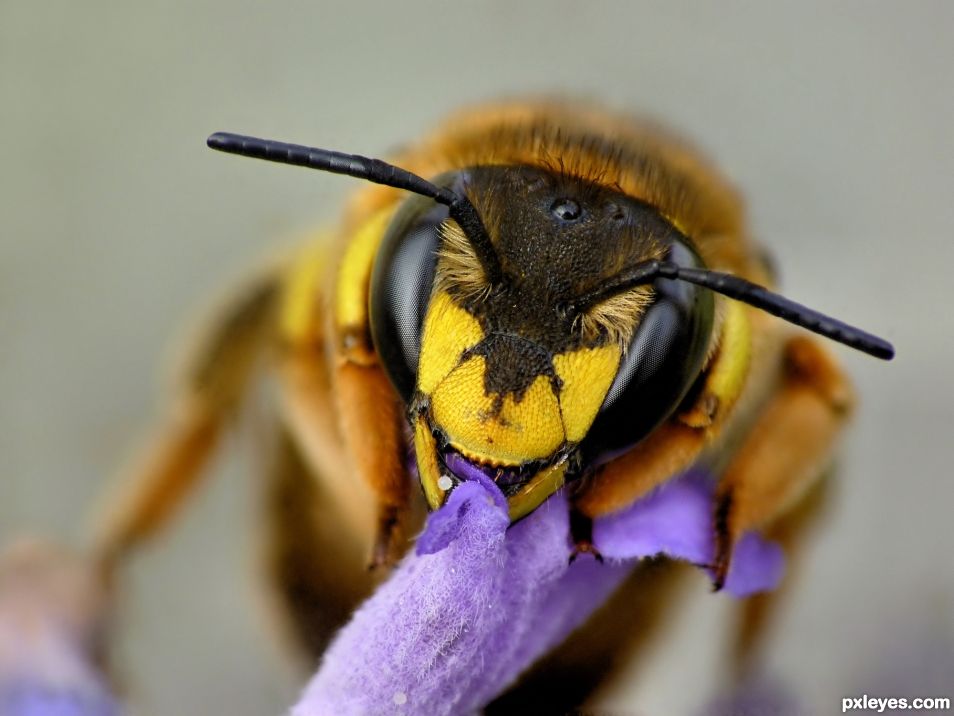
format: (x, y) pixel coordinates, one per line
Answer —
(301, 312)
(520, 431)
(536, 491)
(586, 374)
(425, 448)
(726, 375)
(448, 331)
(354, 274)
(732, 365)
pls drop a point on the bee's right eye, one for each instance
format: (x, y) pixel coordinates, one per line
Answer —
(401, 284)
(662, 362)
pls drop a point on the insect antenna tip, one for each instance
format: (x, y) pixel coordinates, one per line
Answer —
(218, 140)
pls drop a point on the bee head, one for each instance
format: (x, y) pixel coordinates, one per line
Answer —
(520, 375)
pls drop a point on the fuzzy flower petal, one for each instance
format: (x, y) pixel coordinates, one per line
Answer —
(477, 603)
(675, 520)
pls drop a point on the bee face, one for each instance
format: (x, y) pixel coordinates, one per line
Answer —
(515, 380)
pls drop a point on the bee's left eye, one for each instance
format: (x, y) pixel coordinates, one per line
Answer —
(401, 285)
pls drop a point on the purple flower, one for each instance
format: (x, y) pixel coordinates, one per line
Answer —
(50, 608)
(477, 603)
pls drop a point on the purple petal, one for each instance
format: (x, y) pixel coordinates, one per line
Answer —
(418, 644)
(757, 566)
(467, 470)
(445, 525)
(476, 603)
(585, 585)
(675, 520)
(34, 699)
(452, 629)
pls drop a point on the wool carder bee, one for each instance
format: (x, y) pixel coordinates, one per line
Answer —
(541, 294)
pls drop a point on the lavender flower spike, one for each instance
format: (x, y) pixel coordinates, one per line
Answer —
(464, 616)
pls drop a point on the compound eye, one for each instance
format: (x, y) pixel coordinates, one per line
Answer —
(663, 360)
(401, 284)
(566, 209)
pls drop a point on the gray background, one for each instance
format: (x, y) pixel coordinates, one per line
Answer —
(116, 223)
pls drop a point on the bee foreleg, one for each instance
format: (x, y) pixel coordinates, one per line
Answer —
(787, 449)
(213, 384)
(669, 450)
(755, 613)
(371, 422)
(581, 530)
(318, 571)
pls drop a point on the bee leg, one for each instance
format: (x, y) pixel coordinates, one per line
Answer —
(668, 451)
(361, 423)
(170, 468)
(581, 530)
(318, 572)
(371, 421)
(370, 415)
(756, 613)
(787, 449)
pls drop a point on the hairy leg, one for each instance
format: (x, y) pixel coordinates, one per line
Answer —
(788, 448)
(170, 467)
(756, 614)
(319, 573)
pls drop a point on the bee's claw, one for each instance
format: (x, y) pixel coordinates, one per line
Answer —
(380, 558)
(383, 554)
(585, 547)
(581, 530)
(724, 542)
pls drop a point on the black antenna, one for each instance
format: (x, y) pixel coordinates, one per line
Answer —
(373, 170)
(741, 290)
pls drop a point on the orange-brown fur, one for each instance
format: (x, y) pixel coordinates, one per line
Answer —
(789, 446)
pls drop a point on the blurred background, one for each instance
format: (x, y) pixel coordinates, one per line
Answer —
(116, 224)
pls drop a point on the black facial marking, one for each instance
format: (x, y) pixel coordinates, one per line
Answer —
(557, 237)
(512, 365)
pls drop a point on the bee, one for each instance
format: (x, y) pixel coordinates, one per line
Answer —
(540, 294)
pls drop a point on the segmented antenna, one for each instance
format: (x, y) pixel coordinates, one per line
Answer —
(464, 213)
(739, 289)
(373, 170)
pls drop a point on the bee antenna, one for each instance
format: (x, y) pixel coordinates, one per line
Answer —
(745, 291)
(373, 170)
